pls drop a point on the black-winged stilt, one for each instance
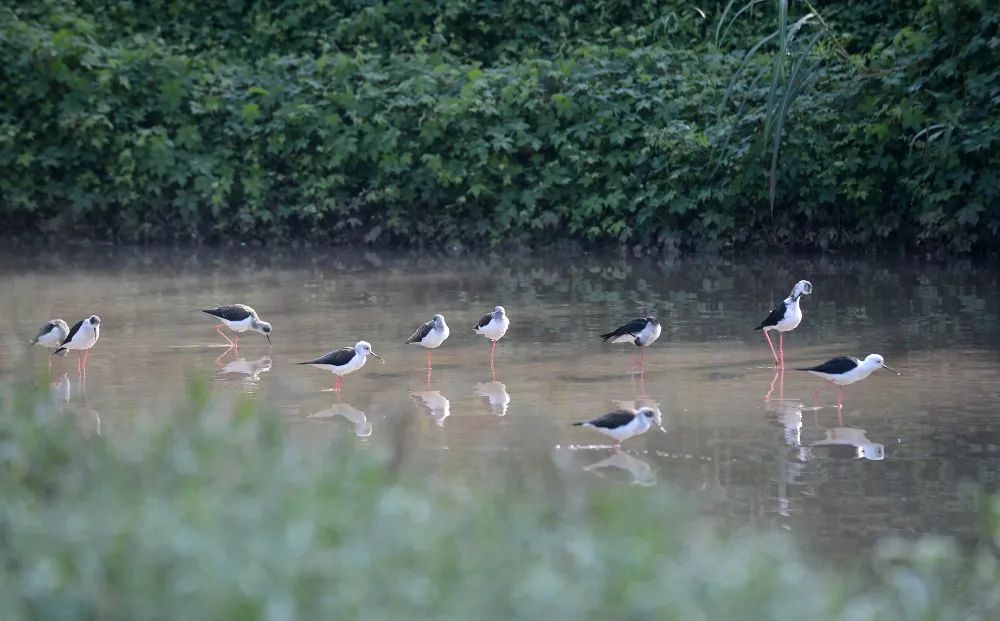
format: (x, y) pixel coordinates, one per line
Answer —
(845, 370)
(82, 336)
(784, 318)
(622, 425)
(493, 326)
(52, 334)
(343, 361)
(430, 335)
(238, 318)
(640, 332)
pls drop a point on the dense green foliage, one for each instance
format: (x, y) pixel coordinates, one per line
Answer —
(209, 512)
(649, 122)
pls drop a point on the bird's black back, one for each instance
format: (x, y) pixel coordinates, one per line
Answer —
(633, 327)
(484, 320)
(772, 320)
(72, 331)
(421, 332)
(836, 366)
(611, 420)
(337, 357)
(231, 312)
(48, 327)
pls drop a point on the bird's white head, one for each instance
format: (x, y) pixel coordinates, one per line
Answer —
(94, 320)
(499, 312)
(803, 287)
(439, 320)
(263, 327)
(648, 412)
(875, 361)
(363, 348)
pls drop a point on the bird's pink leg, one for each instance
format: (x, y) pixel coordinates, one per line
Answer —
(840, 397)
(771, 345)
(218, 329)
(781, 348)
(338, 385)
(428, 359)
(79, 365)
(642, 358)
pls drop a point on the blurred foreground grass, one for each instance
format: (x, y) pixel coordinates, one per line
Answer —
(209, 512)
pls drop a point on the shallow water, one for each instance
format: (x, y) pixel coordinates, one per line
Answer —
(907, 455)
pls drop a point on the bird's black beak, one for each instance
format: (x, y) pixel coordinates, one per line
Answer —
(376, 355)
(268, 337)
(891, 369)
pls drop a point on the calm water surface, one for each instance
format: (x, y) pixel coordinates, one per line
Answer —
(907, 455)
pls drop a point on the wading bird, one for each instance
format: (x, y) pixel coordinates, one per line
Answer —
(343, 361)
(784, 318)
(238, 318)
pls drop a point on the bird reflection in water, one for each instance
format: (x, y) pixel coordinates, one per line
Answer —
(437, 405)
(495, 395)
(642, 472)
(61, 389)
(241, 366)
(362, 427)
(846, 443)
(87, 420)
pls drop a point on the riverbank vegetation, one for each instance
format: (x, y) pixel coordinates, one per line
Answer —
(206, 510)
(657, 123)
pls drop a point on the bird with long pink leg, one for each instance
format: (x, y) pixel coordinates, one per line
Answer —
(343, 361)
(82, 336)
(493, 326)
(784, 318)
(845, 370)
(640, 332)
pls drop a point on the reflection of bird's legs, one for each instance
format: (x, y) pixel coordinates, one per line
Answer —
(631, 363)
(781, 348)
(428, 376)
(771, 345)
(770, 389)
(218, 360)
(840, 399)
(219, 330)
(337, 384)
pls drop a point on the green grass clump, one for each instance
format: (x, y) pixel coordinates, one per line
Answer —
(209, 512)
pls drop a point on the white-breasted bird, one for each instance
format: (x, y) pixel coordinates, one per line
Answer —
(493, 326)
(430, 335)
(238, 318)
(82, 336)
(623, 424)
(784, 318)
(343, 361)
(52, 334)
(845, 370)
(641, 332)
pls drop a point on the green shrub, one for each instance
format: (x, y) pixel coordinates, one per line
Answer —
(647, 123)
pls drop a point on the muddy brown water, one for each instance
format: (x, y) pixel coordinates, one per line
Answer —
(907, 455)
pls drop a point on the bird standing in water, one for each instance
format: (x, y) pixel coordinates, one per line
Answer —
(784, 318)
(640, 332)
(493, 326)
(82, 336)
(238, 318)
(430, 335)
